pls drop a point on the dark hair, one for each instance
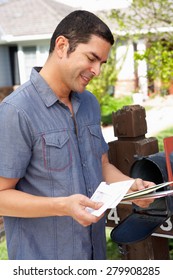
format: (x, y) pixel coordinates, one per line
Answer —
(78, 27)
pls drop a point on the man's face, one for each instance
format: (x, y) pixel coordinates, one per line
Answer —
(80, 66)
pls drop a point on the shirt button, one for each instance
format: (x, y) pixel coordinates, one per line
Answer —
(83, 164)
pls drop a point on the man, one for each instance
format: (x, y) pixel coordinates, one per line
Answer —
(53, 155)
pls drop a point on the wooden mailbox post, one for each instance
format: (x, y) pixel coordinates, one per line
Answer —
(130, 128)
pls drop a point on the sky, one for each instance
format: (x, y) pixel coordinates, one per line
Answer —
(96, 5)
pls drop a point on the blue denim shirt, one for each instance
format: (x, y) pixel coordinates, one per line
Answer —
(53, 156)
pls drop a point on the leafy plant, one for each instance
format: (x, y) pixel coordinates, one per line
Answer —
(110, 104)
(159, 58)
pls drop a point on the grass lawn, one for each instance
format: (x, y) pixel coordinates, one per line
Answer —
(163, 134)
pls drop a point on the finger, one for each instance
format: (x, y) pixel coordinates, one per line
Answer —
(144, 203)
(148, 184)
(92, 204)
(140, 184)
(137, 185)
(88, 218)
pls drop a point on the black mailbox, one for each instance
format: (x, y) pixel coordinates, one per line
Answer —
(144, 221)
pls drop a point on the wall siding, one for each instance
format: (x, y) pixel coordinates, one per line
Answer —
(5, 72)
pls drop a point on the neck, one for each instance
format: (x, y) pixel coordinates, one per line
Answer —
(52, 75)
(56, 85)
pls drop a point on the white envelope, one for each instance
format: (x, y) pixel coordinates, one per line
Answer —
(110, 195)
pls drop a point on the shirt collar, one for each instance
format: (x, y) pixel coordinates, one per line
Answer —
(45, 92)
(43, 89)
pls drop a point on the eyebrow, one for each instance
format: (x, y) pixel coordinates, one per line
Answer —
(97, 57)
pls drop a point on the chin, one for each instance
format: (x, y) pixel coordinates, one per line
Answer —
(80, 90)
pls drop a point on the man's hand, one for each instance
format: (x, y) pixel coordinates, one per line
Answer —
(76, 208)
(139, 184)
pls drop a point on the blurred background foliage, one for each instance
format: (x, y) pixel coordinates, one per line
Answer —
(151, 20)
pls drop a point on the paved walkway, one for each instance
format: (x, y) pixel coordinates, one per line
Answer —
(158, 118)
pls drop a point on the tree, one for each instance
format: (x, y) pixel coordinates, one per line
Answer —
(152, 20)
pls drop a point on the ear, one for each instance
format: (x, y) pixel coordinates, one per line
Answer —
(61, 45)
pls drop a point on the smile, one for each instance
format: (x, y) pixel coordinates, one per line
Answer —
(86, 79)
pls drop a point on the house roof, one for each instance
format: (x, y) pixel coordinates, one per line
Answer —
(19, 18)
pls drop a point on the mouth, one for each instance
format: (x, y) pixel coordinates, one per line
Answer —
(86, 78)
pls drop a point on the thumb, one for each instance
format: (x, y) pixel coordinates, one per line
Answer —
(137, 185)
(93, 204)
(97, 205)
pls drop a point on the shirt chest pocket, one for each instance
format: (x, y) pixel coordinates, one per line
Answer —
(95, 140)
(56, 151)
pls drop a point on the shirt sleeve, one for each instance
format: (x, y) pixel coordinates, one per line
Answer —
(15, 141)
(105, 146)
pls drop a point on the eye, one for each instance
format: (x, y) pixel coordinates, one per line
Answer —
(91, 58)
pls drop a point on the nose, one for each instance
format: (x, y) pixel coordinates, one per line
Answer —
(96, 69)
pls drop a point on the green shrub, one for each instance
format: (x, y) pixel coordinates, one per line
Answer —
(111, 104)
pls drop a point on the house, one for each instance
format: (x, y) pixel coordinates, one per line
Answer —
(26, 27)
